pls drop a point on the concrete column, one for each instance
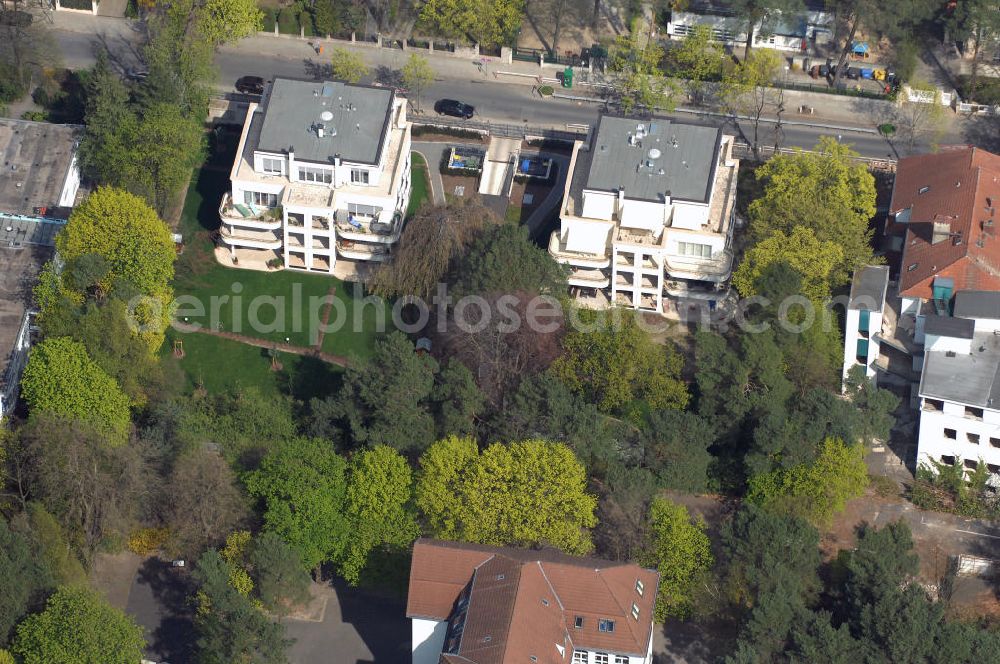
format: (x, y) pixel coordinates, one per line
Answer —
(430, 46)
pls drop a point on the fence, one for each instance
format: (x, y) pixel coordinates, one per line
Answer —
(743, 150)
(505, 130)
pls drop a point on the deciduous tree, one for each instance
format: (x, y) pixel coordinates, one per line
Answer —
(815, 261)
(377, 503)
(439, 490)
(524, 493)
(825, 191)
(303, 487)
(167, 145)
(747, 88)
(348, 66)
(278, 574)
(680, 551)
(639, 83)
(23, 576)
(204, 502)
(488, 23)
(697, 59)
(417, 76)
(78, 626)
(818, 490)
(61, 379)
(764, 15)
(618, 364)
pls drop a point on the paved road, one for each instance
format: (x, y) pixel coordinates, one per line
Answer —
(493, 100)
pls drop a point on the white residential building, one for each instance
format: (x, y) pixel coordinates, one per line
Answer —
(795, 32)
(476, 604)
(322, 173)
(649, 211)
(863, 319)
(960, 384)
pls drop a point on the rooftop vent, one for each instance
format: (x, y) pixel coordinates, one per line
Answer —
(653, 153)
(326, 116)
(923, 190)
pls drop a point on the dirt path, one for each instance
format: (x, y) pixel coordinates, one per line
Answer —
(326, 318)
(338, 360)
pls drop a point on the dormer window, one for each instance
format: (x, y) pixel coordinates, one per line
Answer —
(923, 190)
(359, 176)
(605, 625)
(545, 602)
(639, 587)
(578, 623)
(271, 165)
(635, 610)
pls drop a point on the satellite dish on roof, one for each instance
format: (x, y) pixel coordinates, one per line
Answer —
(326, 116)
(653, 153)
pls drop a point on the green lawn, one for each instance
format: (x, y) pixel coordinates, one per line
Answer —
(274, 306)
(420, 190)
(220, 365)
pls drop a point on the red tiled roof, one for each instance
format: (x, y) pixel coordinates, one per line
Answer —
(526, 601)
(960, 193)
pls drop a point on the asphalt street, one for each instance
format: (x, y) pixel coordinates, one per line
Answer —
(493, 100)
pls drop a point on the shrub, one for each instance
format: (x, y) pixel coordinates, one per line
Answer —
(545, 90)
(288, 22)
(269, 20)
(35, 116)
(885, 487)
(987, 89)
(145, 541)
(447, 131)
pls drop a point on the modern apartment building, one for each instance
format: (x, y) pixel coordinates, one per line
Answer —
(476, 604)
(322, 174)
(960, 384)
(863, 319)
(648, 212)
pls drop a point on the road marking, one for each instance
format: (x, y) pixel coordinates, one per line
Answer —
(973, 532)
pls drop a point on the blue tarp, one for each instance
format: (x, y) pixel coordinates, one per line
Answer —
(867, 73)
(860, 47)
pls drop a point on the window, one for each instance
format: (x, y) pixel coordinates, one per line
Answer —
(272, 165)
(694, 249)
(973, 438)
(580, 656)
(578, 623)
(974, 413)
(545, 602)
(635, 610)
(621, 659)
(911, 267)
(639, 587)
(934, 405)
(971, 464)
(605, 625)
(260, 198)
(600, 658)
(500, 577)
(951, 434)
(321, 175)
(359, 176)
(947, 460)
(923, 190)
(994, 442)
(358, 210)
(993, 468)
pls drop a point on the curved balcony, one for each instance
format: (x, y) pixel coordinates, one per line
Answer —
(716, 269)
(368, 229)
(230, 214)
(357, 251)
(558, 251)
(250, 239)
(588, 279)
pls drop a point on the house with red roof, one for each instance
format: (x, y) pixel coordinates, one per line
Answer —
(477, 604)
(944, 209)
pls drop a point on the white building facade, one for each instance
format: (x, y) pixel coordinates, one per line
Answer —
(649, 212)
(791, 33)
(863, 318)
(960, 385)
(322, 173)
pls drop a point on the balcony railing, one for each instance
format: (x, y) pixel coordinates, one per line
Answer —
(249, 216)
(360, 251)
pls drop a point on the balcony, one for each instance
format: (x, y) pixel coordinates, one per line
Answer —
(250, 239)
(588, 279)
(361, 251)
(558, 250)
(248, 216)
(716, 269)
(368, 228)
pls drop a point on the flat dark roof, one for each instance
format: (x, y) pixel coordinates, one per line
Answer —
(946, 326)
(661, 156)
(977, 304)
(868, 288)
(359, 119)
(36, 158)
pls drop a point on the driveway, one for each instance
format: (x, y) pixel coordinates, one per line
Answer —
(158, 600)
(357, 627)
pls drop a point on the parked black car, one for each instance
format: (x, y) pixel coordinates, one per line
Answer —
(454, 108)
(250, 85)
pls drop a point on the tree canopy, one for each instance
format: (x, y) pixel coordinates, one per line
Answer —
(60, 378)
(824, 191)
(488, 22)
(617, 364)
(681, 552)
(813, 260)
(525, 493)
(302, 485)
(348, 66)
(503, 259)
(639, 83)
(23, 576)
(78, 626)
